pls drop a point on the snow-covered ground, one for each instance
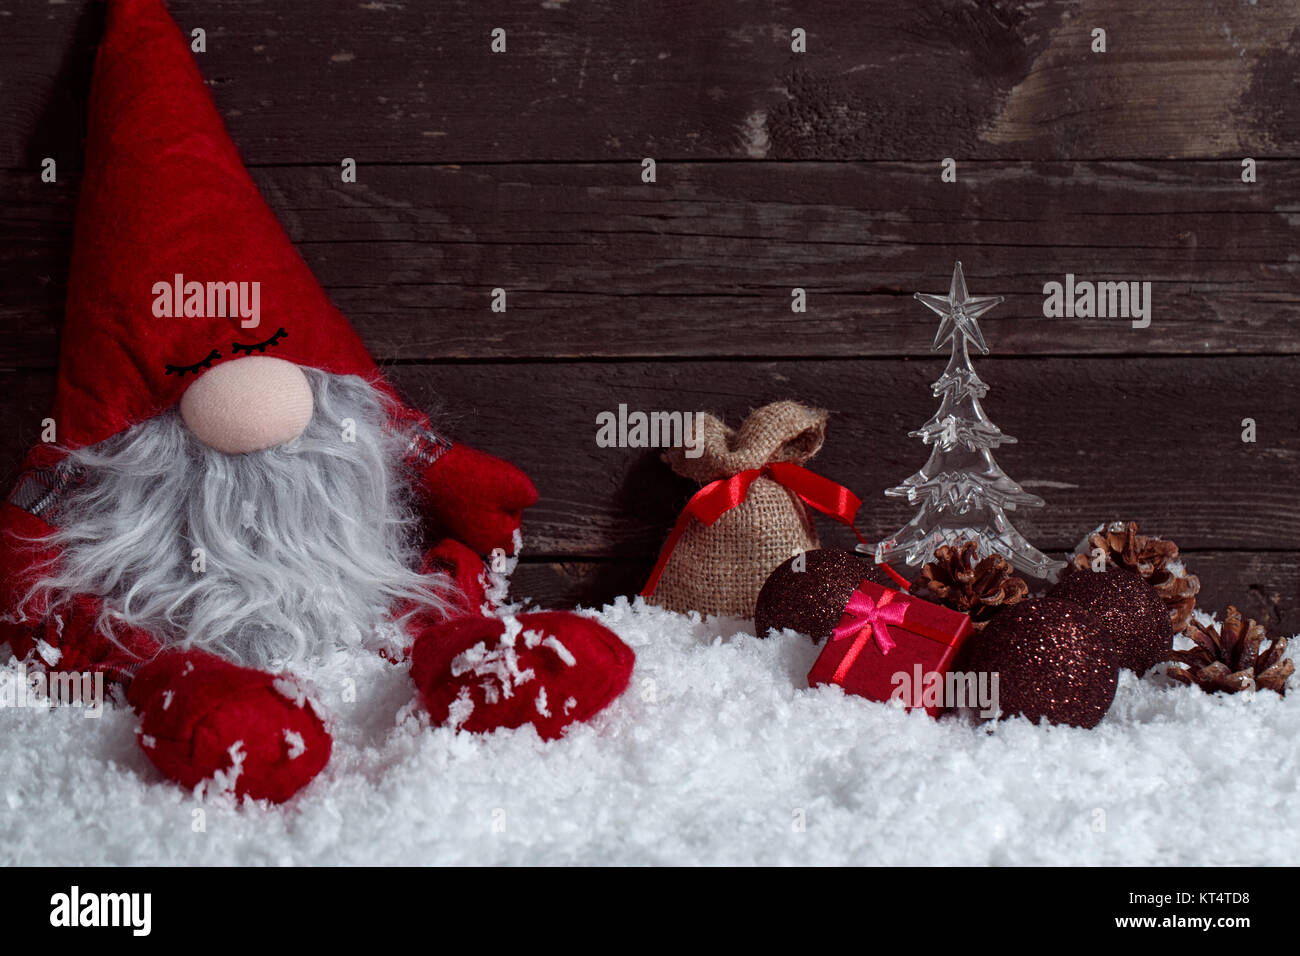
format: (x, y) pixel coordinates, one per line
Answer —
(718, 754)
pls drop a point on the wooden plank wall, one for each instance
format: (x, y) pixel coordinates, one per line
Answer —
(776, 170)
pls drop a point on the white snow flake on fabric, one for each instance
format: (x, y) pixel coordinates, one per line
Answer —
(709, 768)
(495, 578)
(168, 697)
(512, 629)
(223, 781)
(459, 710)
(291, 689)
(297, 746)
(49, 654)
(499, 668)
(561, 651)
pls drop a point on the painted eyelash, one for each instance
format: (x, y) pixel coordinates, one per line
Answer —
(183, 370)
(237, 347)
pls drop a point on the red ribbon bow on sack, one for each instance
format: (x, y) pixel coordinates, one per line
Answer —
(865, 619)
(718, 497)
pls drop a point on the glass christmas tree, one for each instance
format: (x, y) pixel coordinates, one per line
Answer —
(962, 492)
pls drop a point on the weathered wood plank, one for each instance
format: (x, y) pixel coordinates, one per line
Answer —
(1263, 584)
(621, 79)
(703, 263)
(1153, 439)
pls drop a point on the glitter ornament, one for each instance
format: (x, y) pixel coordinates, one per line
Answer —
(1155, 560)
(1134, 617)
(1052, 659)
(812, 600)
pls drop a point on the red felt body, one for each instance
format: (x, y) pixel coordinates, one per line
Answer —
(930, 636)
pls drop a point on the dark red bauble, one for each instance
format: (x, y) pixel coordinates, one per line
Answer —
(1134, 617)
(1053, 660)
(812, 601)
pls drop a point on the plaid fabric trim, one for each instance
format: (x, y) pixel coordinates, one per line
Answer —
(122, 673)
(424, 447)
(40, 490)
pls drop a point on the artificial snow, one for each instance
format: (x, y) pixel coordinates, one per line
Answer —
(718, 753)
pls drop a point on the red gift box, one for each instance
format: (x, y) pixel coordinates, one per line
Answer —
(888, 643)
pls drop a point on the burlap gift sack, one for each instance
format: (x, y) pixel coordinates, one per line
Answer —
(720, 569)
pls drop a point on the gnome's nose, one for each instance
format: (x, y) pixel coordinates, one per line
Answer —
(247, 405)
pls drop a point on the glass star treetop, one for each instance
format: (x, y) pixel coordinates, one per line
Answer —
(962, 492)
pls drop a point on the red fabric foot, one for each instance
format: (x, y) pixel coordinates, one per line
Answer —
(548, 669)
(201, 716)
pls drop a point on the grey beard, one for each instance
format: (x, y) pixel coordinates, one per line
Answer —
(265, 558)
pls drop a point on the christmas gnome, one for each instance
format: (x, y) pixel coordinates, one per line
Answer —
(224, 499)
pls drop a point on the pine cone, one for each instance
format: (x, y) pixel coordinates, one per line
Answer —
(1154, 560)
(1230, 658)
(956, 579)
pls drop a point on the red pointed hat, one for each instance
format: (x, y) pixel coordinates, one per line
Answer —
(165, 194)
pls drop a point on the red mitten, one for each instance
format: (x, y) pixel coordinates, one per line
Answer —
(548, 669)
(201, 715)
(478, 499)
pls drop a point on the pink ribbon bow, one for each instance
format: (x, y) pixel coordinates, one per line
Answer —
(865, 619)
